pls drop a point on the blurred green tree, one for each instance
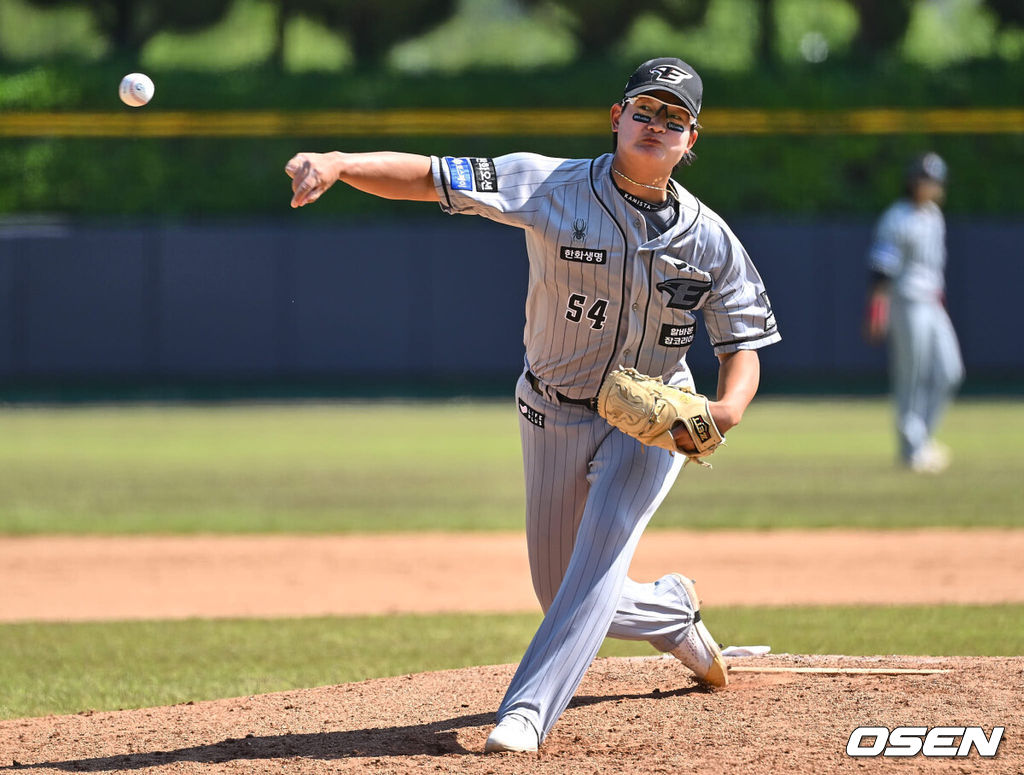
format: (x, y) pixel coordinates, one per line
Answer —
(883, 24)
(371, 28)
(1007, 11)
(129, 24)
(767, 34)
(600, 24)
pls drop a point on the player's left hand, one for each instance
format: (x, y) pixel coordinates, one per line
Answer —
(720, 413)
(684, 440)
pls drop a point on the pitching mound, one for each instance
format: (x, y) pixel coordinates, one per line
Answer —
(640, 715)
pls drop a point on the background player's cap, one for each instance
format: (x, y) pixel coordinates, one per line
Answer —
(671, 75)
(928, 165)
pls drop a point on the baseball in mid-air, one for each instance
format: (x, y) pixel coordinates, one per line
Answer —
(136, 89)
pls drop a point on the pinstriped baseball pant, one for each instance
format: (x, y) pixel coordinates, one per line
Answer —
(590, 492)
(926, 369)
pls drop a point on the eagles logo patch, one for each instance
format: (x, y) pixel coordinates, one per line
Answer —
(684, 292)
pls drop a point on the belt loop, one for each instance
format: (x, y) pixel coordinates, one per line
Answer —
(534, 382)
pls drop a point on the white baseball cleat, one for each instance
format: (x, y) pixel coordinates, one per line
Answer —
(699, 651)
(933, 458)
(513, 733)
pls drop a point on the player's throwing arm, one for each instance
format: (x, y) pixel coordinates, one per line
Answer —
(386, 174)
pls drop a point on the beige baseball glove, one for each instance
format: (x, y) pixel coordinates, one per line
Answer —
(647, 409)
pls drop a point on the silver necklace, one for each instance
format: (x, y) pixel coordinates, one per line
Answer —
(626, 177)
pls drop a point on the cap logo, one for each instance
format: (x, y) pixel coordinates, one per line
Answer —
(670, 74)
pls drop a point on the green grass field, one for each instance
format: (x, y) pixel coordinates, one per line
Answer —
(456, 466)
(66, 668)
(449, 466)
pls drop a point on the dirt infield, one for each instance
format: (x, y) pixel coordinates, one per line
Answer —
(643, 715)
(630, 715)
(79, 578)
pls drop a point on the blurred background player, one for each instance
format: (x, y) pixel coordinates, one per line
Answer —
(906, 304)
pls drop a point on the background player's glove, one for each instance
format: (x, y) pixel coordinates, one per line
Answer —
(647, 409)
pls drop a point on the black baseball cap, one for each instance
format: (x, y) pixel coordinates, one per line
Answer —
(671, 75)
(929, 165)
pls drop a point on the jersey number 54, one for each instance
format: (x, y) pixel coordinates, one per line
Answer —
(597, 313)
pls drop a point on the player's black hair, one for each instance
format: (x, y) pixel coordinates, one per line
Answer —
(688, 158)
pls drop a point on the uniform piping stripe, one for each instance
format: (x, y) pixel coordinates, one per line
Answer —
(650, 273)
(773, 332)
(625, 257)
(444, 181)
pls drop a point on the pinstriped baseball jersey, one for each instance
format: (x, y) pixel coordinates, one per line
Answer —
(910, 248)
(601, 293)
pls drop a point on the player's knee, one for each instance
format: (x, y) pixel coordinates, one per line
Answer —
(619, 523)
(952, 377)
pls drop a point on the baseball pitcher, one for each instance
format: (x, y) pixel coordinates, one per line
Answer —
(623, 262)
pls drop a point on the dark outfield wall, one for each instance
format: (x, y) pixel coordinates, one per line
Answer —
(437, 300)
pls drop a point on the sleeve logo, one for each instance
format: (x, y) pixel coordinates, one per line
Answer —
(473, 174)
(485, 175)
(461, 174)
(769, 315)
